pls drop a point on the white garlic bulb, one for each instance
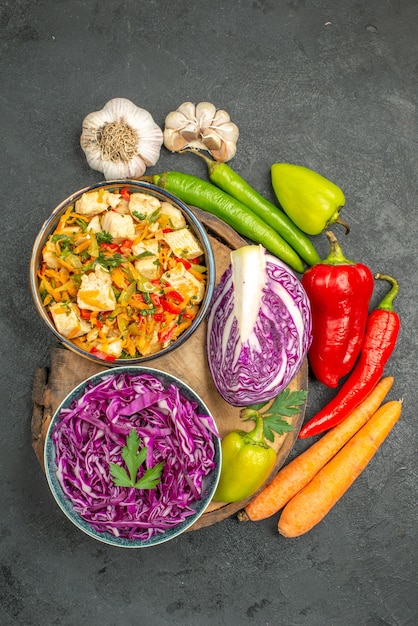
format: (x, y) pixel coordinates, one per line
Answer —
(121, 140)
(202, 127)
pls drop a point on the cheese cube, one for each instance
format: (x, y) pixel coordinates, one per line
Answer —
(174, 214)
(120, 227)
(96, 293)
(183, 243)
(67, 320)
(183, 281)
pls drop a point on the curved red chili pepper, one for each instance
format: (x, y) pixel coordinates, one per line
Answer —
(382, 332)
(339, 292)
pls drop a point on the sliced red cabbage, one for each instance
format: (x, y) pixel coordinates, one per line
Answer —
(90, 434)
(259, 328)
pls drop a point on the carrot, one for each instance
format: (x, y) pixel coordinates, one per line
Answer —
(294, 476)
(308, 507)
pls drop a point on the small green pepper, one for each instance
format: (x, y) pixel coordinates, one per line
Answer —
(311, 201)
(247, 461)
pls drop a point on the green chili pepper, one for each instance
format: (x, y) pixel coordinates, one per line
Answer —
(202, 194)
(311, 201)
(223, 176)
(247, 461)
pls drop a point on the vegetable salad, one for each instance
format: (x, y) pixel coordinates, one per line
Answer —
(89, 439)
(122, 275)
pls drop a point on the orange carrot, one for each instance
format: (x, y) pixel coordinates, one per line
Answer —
(308, 507)
(294, 476)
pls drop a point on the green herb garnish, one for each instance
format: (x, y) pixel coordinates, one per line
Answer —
(286, 404)
(134, 458)
(104, 237)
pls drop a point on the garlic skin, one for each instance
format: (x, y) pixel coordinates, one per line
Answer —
(121, 140)
(203, 127)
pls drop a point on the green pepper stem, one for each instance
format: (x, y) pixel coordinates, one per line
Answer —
(212, 165)
(145, 179)
(346, 226)
(335, 256)
(387, 302)
(256, 435)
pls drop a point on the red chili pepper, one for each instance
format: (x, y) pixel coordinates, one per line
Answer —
(101, 355)
(124, 192)
(339, 292)
(159, 317)
(382, 332)
(127, 243)
(167, 230)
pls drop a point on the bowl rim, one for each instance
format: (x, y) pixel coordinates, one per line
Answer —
(44, 232)
(65, 504)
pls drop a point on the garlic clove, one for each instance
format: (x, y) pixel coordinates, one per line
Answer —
(188, 109)
(225, 153)
(137, 166)
(176, 121)
(211, 140)
(221, 117)
(149, 151)
(174, 141)
(205, 112)
(229, 132)
(191, 132)
(114, 170)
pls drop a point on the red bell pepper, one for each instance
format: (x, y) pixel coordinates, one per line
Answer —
(101, 355)
(85, 314)
(166, 334)
(170, 306)
(111, 247)
(124, 192)
(339, 291)
(187, 265)
(382, 332)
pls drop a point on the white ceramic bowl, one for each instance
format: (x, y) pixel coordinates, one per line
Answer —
(69, 497)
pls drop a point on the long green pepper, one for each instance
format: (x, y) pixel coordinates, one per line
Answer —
(223, 176)
(202, 194)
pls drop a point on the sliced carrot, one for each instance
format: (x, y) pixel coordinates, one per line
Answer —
(308, 507)
(294, 476)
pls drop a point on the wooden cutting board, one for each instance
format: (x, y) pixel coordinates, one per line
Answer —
(188, 363)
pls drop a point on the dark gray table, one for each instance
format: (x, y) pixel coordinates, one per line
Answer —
(330, 85)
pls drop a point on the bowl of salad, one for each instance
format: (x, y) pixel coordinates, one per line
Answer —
(132, 456)
(122, 272)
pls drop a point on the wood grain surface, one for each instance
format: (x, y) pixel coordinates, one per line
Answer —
(188, 363)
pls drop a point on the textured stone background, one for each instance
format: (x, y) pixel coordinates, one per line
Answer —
(330, 85)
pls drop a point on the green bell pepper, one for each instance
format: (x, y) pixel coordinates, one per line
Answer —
(311, 201)
(247, 461)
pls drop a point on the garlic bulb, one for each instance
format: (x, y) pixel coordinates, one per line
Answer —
(202, 127)
(121, 140)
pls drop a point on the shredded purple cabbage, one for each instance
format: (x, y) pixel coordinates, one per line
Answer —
(90, 434)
